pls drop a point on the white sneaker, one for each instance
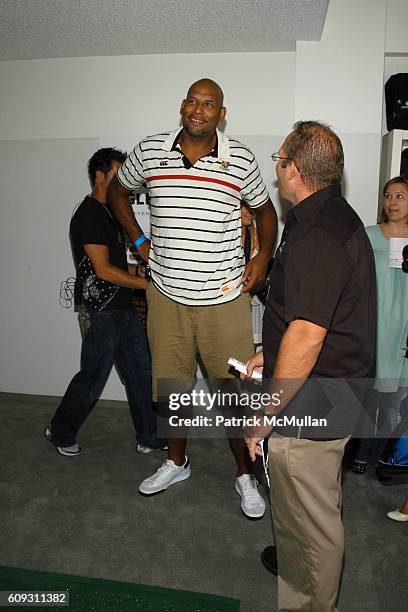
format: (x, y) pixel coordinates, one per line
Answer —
(169, 473)
(396, 515)
(252, 503)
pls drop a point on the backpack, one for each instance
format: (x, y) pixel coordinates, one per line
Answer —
(394, 460)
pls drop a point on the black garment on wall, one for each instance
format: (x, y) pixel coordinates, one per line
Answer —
(396, 101)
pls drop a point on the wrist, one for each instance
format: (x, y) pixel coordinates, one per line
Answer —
(264, 254)
(139, 241)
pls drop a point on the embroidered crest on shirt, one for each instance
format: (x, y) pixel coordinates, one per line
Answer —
(226, 288)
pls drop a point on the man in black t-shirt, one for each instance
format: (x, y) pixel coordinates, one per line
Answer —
(319, 332)
(114, 333)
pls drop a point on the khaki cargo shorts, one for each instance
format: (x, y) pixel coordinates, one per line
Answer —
(177, 333)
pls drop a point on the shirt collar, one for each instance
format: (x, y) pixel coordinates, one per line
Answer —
(221, 150)
(310, 206)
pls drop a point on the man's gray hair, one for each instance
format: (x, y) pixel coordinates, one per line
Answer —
(317, 153)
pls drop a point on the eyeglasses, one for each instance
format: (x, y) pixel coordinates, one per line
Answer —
(276, 157)
(404, 264)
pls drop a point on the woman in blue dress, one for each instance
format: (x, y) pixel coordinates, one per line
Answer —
(391, 384)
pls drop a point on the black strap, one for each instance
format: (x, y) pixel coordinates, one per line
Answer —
(247, 245)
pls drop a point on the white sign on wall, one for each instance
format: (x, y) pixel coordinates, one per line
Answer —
(140, 205)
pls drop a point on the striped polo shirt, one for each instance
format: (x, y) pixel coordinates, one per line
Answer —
(196, 256)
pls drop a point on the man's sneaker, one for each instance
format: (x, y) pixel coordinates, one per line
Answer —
(145, 449)
(67, 451)
(252, 504)
(169, 473)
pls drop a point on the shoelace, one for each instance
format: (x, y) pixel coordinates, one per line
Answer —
(249, 489)
(166, 467)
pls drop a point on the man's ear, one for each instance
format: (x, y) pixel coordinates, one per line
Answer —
(223, 113)
(293, 172)
(182, 106)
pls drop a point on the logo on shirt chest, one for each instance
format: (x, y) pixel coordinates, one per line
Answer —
(164, 163)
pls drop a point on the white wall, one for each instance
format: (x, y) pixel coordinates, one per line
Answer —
(340, 80)
(396, 39)
(54, 113)
(39, 339)
(99, 96)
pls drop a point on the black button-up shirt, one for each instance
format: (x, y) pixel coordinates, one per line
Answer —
(324, 272)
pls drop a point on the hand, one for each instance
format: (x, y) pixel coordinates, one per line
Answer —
(255, 434)
(141, 271)
(144, 250)
(143, 283)
(254, 448)
(132, 269)
(255, 362)
(254, 273)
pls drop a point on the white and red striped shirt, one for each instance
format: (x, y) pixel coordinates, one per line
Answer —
(196, 256)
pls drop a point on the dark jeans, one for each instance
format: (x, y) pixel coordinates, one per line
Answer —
(111, 338)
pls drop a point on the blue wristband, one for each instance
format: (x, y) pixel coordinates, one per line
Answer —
(139, 241)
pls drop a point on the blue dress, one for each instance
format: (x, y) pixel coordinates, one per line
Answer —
(392, 317)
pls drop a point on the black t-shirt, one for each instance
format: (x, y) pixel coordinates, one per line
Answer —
(94, 223)
(324, 272)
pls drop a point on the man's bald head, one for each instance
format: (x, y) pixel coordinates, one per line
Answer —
(208, 83)
(202, 110)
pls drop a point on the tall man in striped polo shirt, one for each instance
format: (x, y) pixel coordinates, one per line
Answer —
(199, 296)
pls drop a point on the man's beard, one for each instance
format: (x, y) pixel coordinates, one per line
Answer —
(196, 132)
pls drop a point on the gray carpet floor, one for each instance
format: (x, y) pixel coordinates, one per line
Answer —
(84, 516)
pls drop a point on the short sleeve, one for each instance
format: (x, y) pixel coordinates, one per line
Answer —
(316, 272)
(130, 174)
(253, 189)
(89, 229)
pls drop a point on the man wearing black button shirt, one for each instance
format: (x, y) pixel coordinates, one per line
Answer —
(319, 324)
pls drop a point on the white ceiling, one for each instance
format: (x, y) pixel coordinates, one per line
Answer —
(34, 29)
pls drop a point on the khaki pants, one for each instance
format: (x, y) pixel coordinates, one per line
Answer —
(177, 333)
(305, 478)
